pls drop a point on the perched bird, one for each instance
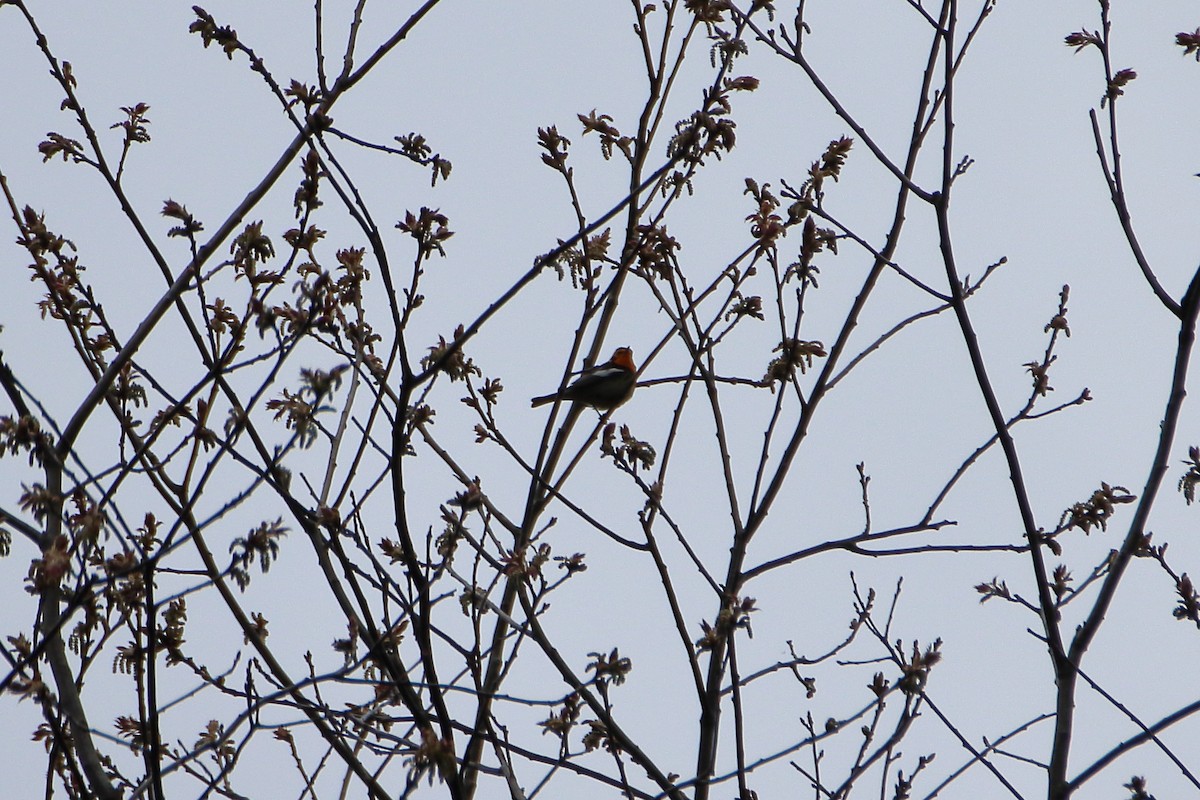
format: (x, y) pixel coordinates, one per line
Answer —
(604, 387)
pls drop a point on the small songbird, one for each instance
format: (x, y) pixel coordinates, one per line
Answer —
(604, 387)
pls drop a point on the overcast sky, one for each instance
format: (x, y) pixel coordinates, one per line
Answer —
(478, 78)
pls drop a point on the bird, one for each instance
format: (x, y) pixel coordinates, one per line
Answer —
(603, 387)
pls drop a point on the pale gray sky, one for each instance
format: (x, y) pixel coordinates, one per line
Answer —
(477, 79)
